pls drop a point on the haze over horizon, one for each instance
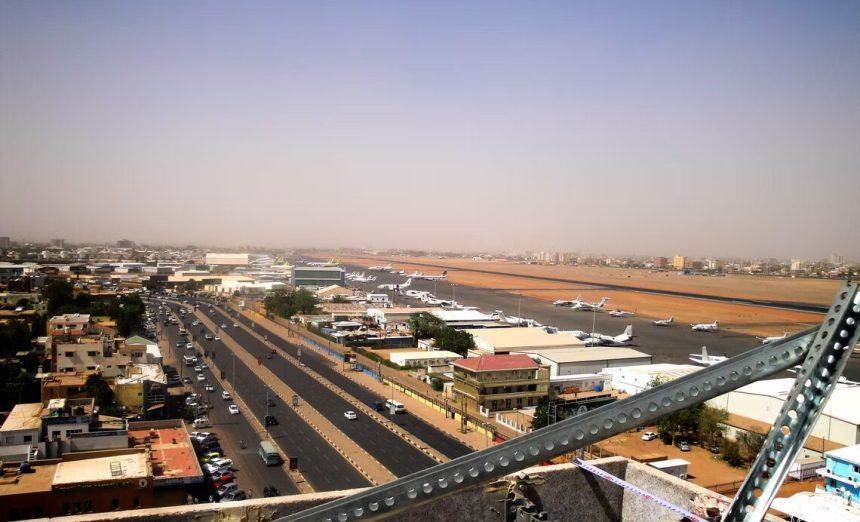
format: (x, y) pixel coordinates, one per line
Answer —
(723, 130)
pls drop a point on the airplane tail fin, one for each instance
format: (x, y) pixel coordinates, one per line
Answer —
(705, 354)
(716, 324)
(671, 318)
(602, 302)
(628, 332)
(444, 273)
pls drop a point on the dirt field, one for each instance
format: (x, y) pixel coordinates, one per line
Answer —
(740, 318)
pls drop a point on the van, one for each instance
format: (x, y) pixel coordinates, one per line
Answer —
(189, 360)
(378, 405)
(269, 454)
(394, 406)
(201, 422)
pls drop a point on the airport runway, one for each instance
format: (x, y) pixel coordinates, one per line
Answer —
(672, 344)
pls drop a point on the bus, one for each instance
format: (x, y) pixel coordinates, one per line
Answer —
(394, 406)
(269, 454)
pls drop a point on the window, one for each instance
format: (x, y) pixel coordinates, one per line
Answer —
(856, 469)
(67, 508)
(28, 438)
(114, 504)
(135, 502)
(70, 354)
(92, 354)
(88, 506)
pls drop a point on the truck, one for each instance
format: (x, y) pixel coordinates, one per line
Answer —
(269, 454)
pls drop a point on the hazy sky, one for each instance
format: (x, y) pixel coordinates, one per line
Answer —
(720, 128)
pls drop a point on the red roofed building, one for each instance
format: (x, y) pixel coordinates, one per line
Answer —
(499, 382)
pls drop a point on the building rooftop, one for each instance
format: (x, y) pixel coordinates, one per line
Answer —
(497, 362)
(136, 339)
(521, 339)
(669, 463)
(423, 354)
(143, 372)
(173, 457)
(841, 405)
(460, 315)
(102, 469)
(24, 417)
(70, 318)
(848, 454)
(587, 354)
(817, 507)
(39, 481)
(665, 371)
(397, 310)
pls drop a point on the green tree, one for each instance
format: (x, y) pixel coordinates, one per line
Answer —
(456, 341)
(58, 294)
(751, 443)
(541, 416)
(712, 424)
(425, 325)
(14, 337)
(98, 389)
(338, 299)
(436, 383)
(287, 303)
(731, 453)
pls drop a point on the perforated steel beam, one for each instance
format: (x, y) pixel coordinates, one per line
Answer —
(814, 384)
(573, 433)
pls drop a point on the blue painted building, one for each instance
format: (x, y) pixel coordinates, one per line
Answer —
(842, 472)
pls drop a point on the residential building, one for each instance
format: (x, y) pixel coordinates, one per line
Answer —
(69, 325)
(679, 262)
(422, 359)
(89, 354)
(143, 389)
(841, 472)
(499, 382)
(661, 262)
(58, 242)
(5, 242)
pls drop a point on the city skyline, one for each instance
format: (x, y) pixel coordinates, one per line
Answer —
(707, 130)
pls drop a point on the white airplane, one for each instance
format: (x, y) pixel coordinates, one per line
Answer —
(620, 313)
(705, 327)
(623, 339)
(765, 340)
(579, 334)
(582, 306)
(568, 302)
(416, 274)
(396, 286)
(664, 322)
(386, 268)
(441, 276)
(706, 360)
(416, 294)
(330, 262)
(516, 321)
(363, 278)
(454, 305)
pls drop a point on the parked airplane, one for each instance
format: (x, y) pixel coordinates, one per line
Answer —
(396, 286)
(705, 359)
(664, 322)
(623, 339)
(363, 278)
(443, 275)
(416, 274)
(582, 306)
(579, 334)
(416, 294)
(705, 327)
(568, 302)
(454, 305)
(765, 340)
(620, 313)
(516, 321)
(330, 262)
(386, 268)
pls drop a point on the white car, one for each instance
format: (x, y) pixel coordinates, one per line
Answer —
(235, 325)
(217, 338)
(209, 388)
(649, 435)
(226, 395)
(201, 377)
(189, 346)
(233, 409)
(223, 326)
(350, 415)
(198, 368)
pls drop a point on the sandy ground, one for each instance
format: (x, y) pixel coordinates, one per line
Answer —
(746, 319)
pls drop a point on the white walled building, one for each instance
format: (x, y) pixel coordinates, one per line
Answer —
(586, 360)
(635, 379)
(423, 359)
(218, 258)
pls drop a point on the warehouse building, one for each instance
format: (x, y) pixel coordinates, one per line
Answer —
(582, 360)
(218, 258)
(500, 341)
(317, 276)
(635, 379)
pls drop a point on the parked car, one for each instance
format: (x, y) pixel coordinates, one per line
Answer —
(683, 446)
(350, 415)
(201, 422)
(219, 474)
(224, 479)
(227, 488)
(649, 435)
(234, 495)
(209, 457)
(233, 409)
(226, 395)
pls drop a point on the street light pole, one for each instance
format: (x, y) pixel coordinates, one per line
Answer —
(233, 358)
